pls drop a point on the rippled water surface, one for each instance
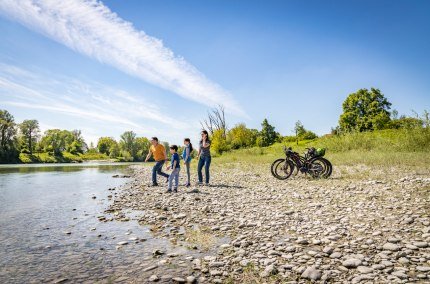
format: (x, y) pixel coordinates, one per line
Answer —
(49, 231)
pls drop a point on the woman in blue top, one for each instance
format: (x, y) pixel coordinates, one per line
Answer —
(204, 157)
(186, 156)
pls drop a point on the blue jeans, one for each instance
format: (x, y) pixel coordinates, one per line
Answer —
(174, 176)
(157, 170)
(206, 162)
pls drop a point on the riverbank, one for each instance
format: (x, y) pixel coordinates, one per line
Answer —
(364, 223)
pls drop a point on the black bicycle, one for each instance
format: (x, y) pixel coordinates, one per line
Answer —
(311, 163)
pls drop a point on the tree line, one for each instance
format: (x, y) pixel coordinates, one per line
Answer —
(23, 142)
(364, 110)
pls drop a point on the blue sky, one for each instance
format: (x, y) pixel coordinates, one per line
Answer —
(156, 67)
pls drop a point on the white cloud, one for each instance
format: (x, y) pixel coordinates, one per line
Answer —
(90, 28)
(105, 109)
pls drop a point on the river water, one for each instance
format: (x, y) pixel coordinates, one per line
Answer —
(49, 230)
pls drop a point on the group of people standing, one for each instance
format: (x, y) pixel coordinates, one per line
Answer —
(160, 156)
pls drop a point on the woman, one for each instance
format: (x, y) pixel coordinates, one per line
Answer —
(204, 157)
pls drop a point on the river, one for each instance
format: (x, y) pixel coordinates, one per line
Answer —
(49, 230)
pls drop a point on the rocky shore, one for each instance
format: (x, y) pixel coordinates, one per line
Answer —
(363, 225)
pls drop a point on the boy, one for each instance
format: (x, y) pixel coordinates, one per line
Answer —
(174, 165)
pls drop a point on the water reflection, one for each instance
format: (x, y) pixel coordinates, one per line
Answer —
(32, 168)
(50, 230)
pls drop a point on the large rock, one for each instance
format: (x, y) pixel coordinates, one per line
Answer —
(312, 273)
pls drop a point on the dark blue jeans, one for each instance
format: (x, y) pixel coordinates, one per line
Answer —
(206, 162)
(157, 170)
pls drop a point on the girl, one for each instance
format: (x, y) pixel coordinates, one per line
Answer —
(204, 157)
(186, 155)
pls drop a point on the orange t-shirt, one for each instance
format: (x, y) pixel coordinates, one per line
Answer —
(158, 151)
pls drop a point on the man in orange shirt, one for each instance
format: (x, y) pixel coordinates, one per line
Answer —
(160, 157)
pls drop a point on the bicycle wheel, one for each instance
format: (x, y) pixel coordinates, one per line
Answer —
(284, 169)
(328, 168)
(316, 168)
(274, 165)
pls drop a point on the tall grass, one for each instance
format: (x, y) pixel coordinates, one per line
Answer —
(407, 147)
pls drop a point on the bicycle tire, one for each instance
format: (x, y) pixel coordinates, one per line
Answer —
(282, 169)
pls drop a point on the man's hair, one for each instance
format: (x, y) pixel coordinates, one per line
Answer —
(174, 147)
(155, 138)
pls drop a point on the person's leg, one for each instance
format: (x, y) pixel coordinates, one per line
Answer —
(207, 165)
(176, 179)
(170, 178)
(187, 165)
(199, 169)
(160, 172)
(155, 169)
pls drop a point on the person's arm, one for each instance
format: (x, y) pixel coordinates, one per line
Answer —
(198, 155)
(148, 156)
(205, 144)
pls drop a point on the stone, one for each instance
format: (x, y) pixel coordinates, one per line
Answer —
(364, 269)
(351, 263)
(191, 279)
(302, 242)
(328, 250)
(122, 243)
(420, 244)
(312, 273)
(178, 280)
(157, 252)
(335, 255)
(149, 268)
(391, 247)
(423, 268)
(181, 216)
(154, 278)
(215, 272)
(400, 274)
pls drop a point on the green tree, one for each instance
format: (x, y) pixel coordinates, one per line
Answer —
(30, 132)
(142, 147)
(114, 151)
(268, 134)
(302, 133)
(8, 151)
(365, 110)
(128, 143)
(53, 141)
(406, 122)
(240, 136)
(219, 142)
(105, 145)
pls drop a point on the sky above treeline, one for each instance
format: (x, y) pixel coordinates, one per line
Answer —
(157, 67)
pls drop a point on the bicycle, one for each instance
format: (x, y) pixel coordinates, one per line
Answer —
(311, 163)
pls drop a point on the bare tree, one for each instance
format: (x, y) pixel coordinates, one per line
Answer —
(215, 120)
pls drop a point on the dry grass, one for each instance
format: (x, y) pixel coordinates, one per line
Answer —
(251, 275)
(200, 237)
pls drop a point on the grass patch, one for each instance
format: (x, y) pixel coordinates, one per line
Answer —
(200, 237)
(251, 275)
(402, 147)
(64, 157)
